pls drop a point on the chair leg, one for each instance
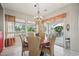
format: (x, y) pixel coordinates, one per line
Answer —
(22, 52)
(42, 53)
(51, 53)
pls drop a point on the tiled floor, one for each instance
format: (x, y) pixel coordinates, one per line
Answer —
(59, 41)
(58, 51)
(12, 51)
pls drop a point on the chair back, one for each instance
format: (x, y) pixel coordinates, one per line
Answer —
(52, 38)
(21, 38)
(33, 45)
(42, 36)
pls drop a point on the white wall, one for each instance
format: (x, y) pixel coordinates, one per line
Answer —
(1, 18)
(74, 27)
(2, 22)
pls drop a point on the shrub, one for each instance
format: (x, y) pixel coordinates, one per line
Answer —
(58, 28)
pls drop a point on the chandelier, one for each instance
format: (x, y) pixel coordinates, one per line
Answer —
(38, 17)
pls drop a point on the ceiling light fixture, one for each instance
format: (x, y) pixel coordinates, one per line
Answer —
(38, 17)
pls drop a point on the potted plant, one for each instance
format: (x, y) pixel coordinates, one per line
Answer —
(58, 29)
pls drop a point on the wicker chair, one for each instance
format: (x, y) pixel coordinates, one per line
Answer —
(24, 45)
(49, 47)
(33, 45)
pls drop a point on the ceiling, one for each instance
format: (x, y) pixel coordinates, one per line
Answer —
(28, 8)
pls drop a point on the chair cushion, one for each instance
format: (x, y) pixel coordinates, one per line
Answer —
(45, 45)
(25, 44)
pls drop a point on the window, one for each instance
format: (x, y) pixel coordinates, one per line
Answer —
(10, 32)
(30, 27)
(19, 27)
(10, 27)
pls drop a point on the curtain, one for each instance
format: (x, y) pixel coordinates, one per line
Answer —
(10, 18)
(9, 30)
